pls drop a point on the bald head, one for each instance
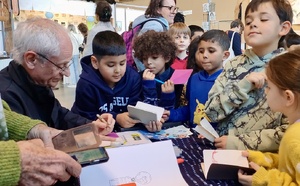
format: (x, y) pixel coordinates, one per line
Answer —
(40, 35)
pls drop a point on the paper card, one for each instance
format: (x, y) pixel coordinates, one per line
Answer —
(181, 76)
(148, 164)
(145, 112)
(207, 130)
(224, 164)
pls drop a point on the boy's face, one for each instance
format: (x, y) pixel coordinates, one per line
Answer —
(196, 34)
(155, 63)
(210, 56)
(263, 29)
(182, 41)
(112, 68)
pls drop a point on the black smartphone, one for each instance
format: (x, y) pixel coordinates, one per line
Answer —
(91, 156)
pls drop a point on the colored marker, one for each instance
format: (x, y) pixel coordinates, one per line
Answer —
(180, 160)
(159, 81)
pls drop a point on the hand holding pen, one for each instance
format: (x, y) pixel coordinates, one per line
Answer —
(105, 122)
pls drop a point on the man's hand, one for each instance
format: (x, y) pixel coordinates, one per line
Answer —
(45, 166)
(220, 143)
(168, 87)
(44, 133)
(125, 121)
(105, 123)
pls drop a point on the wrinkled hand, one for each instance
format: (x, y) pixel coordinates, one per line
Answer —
(257, 79)
(245, 179)
(167, 87)
(44, 133)
(220, 143)
(106, 125)
(154, 126)
(147, 75)
(125, 121)
(45, 166)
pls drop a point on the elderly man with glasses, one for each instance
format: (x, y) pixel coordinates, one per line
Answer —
(42, 53)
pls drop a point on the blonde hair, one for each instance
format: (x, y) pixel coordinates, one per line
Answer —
(179, 28)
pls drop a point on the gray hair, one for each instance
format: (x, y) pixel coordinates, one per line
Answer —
(39, 35)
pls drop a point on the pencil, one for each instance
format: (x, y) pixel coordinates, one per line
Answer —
(101, 119)
(159, 81)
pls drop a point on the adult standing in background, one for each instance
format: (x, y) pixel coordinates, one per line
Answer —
(84, 31)
(234, 34)
(158, 16)
(74, 67)
(103, 14)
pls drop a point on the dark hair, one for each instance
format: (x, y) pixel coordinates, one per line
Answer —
(292, 39)
(155, 43)
(103, 10)
(236, 23)
(284, 71)
(282, 8)
(152, 8)
(83, 28)
(195, 28)
(179, 17)
(217, 36)
(108, 43)
(191, 61)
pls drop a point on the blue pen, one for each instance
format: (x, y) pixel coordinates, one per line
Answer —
(159, 81)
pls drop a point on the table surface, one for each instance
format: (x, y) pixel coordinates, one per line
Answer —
(192, 153)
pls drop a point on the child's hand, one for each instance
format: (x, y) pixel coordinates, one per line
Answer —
(154, 126)
(245, 153)
(167, 87)
(147, 75)
(257, 79)
(166, 115)
(244, 179)
(125, 121)
(220, 143)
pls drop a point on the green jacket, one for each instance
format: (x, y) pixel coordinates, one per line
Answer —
(241, 111)
(10, 162)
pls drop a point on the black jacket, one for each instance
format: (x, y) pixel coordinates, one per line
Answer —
(35, 101)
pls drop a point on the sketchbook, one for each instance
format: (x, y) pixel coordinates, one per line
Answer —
(145, 112)
(224, 164)
(207, 130)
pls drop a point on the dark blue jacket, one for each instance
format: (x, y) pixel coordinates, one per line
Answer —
(236, 43)
(94, 96)
(153, 95)
(198, 87)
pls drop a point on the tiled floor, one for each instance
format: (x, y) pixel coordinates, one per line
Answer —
(65, 95)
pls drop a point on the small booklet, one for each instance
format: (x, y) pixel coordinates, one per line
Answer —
(145, 112)
(207, 130)
(224, 164)
(181, 76)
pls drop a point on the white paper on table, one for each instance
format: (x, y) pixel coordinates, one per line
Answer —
(150, 164)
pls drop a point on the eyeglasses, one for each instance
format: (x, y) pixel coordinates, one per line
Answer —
(62, 69)
(171, 8)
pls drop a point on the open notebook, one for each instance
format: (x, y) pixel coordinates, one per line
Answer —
(145, 112)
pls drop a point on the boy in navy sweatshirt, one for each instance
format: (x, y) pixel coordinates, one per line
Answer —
(107, 84)
(212, 51)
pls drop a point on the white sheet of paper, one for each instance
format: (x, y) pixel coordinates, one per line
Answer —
(145, 112)
(150, 164)
(227, 157)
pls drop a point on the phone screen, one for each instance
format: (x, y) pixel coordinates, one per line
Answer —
(91, 156)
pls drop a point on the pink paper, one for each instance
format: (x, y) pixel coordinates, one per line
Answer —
(181, 76)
